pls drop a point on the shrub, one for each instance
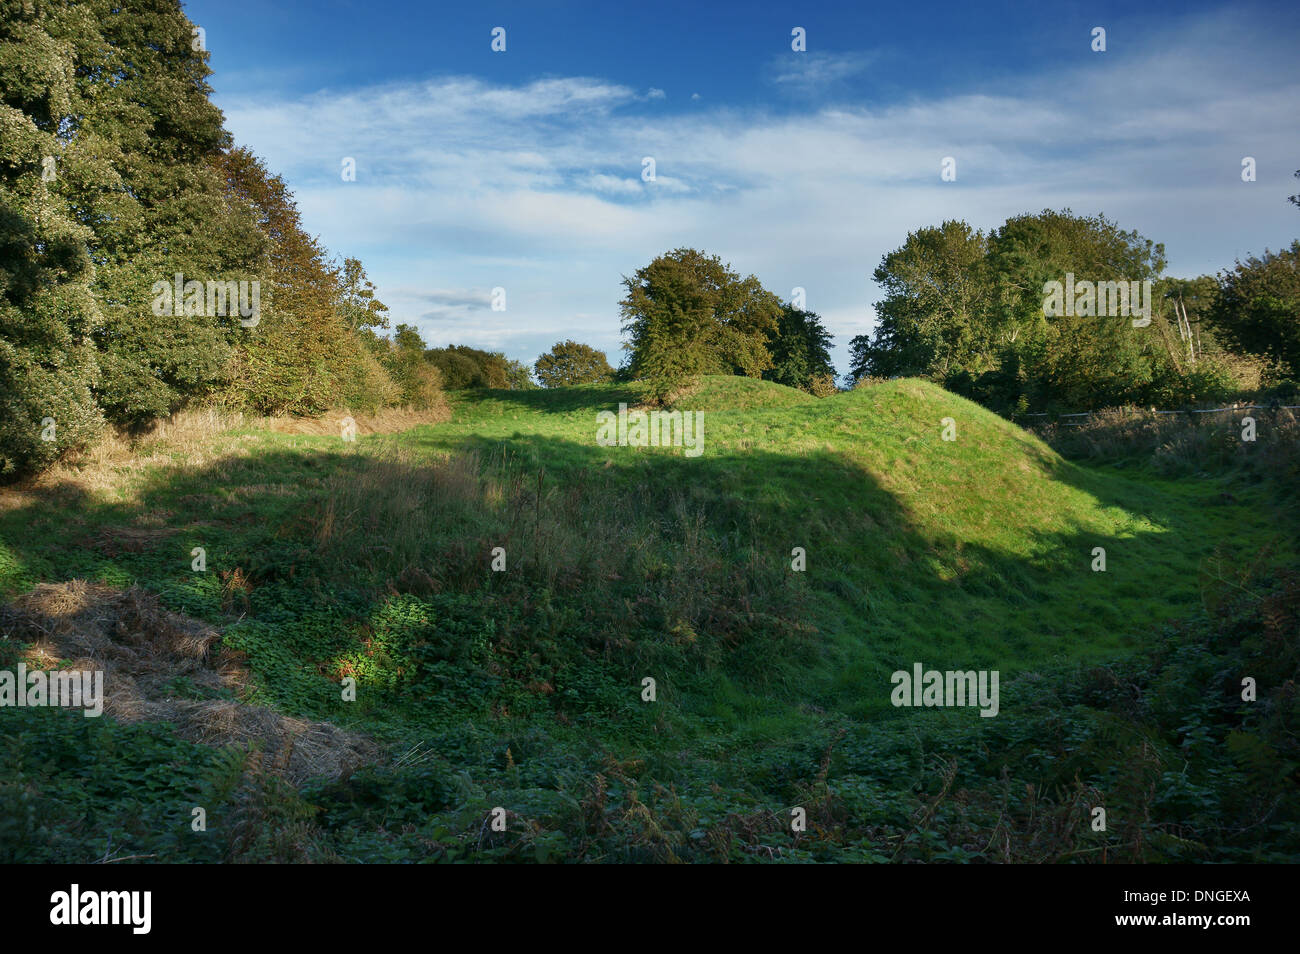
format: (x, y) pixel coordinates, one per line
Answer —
(822, 385)
(419, 382)
(465, 367)
(569, 363)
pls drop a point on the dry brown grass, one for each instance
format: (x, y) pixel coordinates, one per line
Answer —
(194, 438)
(1181, 443)
(185, 438)
(389, 420)
(143, 649)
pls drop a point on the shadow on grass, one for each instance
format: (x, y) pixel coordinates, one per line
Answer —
(627, 555)
(591, 397)
(620, 562)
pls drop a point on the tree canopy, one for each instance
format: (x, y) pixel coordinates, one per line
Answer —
(570, 362)
(686, 313)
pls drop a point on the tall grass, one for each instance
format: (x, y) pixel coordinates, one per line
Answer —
(630, 568)
(1185, 444)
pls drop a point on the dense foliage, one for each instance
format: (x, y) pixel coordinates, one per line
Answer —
(686, 314)
(1258, 307)
(969, 310)
(801, 356)
(117, 176)
(569, 363)
(465, 367)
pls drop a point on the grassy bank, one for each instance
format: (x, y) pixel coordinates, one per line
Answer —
(523, 688)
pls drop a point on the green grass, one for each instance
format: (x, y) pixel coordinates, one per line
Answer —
(773, 685)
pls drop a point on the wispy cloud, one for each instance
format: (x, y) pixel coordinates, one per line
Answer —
(809, 72)
(463, 184)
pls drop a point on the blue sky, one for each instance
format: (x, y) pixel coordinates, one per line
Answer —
(522, 169)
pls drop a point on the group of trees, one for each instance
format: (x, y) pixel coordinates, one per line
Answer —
(687, 313)
(966, 309)
(116, 174)
(1257, 307)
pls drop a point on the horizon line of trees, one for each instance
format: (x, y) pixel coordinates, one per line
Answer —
(116, 173)
(966, 309)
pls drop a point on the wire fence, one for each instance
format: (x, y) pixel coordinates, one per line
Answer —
(1088, 415)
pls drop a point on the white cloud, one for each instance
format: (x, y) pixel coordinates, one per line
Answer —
(600, 182)
(812, 71)
(466, 185)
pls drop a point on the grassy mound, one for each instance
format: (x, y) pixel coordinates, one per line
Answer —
(524, 687)
(727, 393)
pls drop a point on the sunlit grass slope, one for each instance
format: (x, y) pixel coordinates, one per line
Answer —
(373, 560)
(975, 550)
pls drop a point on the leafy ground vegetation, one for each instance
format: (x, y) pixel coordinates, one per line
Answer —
(522, 688)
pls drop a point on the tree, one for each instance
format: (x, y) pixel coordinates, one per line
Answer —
(519, 376)
(1079, 361)
(356, 302)
(800, 350)
(117, 176)
(1258, 309)
(687, 313)
(932, 321)
(569, 362)
(139, 110)
(968, 311)
(466, 367)
(47, 311)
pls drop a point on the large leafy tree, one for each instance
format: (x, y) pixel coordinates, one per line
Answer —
(687, 313)
(116, 174)
(967, 310)
(1075, 361)
(932, 321)
(800, 349)
(570, 362)
(1258, 308)
(156, 206)
(47, 309)
(118, 94)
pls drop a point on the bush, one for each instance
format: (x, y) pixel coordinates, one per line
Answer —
(458, 371)
(1258, 308)
(464, 367)
(822, 385)
(419, 382)
(293, 366)
(519, 377)
(1211, 381)
(569, 363)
